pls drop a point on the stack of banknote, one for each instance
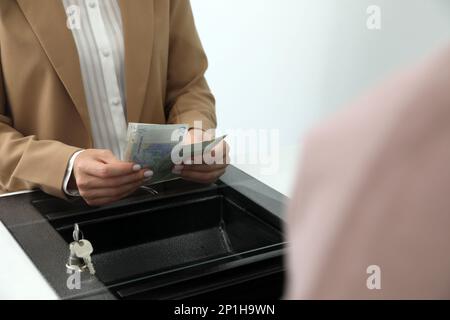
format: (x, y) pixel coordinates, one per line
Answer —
(160, 147)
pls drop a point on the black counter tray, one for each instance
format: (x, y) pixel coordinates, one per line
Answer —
(153, 246)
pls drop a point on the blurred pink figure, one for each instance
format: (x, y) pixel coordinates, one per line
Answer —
(370, 216)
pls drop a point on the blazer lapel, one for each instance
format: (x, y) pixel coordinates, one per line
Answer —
(137, 19)
(49, 22)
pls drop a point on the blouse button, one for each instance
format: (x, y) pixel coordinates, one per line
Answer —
(116, 102)
(106, 53)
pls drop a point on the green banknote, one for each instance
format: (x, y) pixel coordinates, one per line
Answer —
(159, 147)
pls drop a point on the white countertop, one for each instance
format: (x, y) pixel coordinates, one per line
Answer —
(19, 278)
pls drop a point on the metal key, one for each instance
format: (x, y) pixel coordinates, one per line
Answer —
(83, 250)
(75, 263)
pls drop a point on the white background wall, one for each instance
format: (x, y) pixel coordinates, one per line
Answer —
(286, 64)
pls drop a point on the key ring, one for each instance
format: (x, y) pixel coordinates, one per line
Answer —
(76, 233)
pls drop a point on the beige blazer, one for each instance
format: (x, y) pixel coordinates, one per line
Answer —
(370, 216)
(43, 114)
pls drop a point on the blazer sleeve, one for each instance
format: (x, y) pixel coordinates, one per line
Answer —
(188, 97)
(26, 162)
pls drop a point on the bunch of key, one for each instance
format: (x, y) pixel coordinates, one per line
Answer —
(80, 253)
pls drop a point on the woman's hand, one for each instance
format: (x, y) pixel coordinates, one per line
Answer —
(102, 179)
(204, 173)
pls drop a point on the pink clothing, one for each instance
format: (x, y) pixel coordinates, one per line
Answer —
(374, 190)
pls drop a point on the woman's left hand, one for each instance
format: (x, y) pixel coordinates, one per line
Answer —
(204, 173)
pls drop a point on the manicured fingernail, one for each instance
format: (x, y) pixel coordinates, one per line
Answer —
(148, 174)
(137, 167)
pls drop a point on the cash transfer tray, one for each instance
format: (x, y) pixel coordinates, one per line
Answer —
(180, 240)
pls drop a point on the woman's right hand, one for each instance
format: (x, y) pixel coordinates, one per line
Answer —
(102, 179)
